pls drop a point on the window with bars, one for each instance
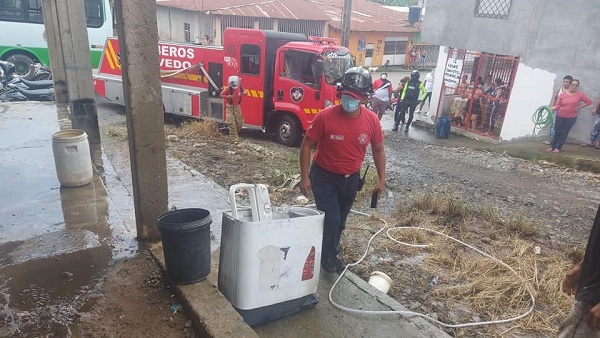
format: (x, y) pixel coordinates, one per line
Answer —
(496, 9)
(187, 32)
(394, 47)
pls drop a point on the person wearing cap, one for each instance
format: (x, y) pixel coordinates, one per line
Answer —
(411, 96)
(341, 134)
(232, 98)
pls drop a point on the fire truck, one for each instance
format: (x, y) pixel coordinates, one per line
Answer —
(288, 77)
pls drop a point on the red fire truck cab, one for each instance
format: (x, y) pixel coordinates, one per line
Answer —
(288, 78)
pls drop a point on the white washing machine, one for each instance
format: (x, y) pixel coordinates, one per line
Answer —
(269, 259)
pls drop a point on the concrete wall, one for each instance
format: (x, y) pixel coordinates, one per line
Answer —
(552, 39)
(370, 38)
(170, 24)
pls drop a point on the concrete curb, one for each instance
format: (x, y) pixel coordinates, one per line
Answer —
(425, 327)
(211, 313)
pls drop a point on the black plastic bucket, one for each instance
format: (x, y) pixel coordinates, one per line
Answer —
(185, 235)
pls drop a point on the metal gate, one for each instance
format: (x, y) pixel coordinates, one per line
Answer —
(428, 59)
(476, 90)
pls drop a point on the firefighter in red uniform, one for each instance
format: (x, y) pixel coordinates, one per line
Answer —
(232, 97)
(341, 134)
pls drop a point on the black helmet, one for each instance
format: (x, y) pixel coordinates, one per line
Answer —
(415, 75)
(358, 81)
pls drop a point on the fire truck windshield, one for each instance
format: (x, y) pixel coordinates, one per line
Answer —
(336, 63)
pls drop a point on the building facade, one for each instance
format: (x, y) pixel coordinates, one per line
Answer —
(537, 34)
(380, 35)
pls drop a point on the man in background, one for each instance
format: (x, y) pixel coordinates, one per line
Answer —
(232, 98)
(429, 88)
(382, 95)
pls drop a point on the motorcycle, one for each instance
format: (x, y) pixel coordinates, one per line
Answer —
(15, 88)
(40, 72)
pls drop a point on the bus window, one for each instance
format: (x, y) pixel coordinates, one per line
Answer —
(94, 13)
(11, 10)
(35, 11)
(29, 45)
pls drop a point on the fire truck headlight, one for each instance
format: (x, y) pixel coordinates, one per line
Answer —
(328, 103)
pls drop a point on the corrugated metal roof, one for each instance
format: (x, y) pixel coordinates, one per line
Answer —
(369, 17)
(366, 16)
(280, 9)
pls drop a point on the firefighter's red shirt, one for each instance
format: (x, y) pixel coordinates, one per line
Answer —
(237, 95)
(342, 141)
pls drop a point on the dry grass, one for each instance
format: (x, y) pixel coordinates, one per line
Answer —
(467, 279)
(199, 131)
(371, 180)
(120, 133)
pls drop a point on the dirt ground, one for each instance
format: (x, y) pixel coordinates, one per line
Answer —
(502, 205)
(136, 303)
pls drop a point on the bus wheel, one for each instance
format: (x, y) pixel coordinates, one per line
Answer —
(22, 65)
(288, 130)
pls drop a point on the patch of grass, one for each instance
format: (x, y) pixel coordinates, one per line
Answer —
(458, 208)
(120, 133)
(288, 173)
(575, 253)
(468, 280)
(489, 213)
(199, 130)
(521, 225)
(370, 181)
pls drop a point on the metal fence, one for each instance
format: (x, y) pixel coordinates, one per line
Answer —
(475, 96)
(431, 56)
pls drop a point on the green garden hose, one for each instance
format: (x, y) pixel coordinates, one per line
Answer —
(542, 119)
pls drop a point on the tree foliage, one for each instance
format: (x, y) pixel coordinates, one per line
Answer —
(401, 3)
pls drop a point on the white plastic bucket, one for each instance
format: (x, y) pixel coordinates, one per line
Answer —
(381, 281)
(72, 158)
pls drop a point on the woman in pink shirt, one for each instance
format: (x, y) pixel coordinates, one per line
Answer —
(567, 105)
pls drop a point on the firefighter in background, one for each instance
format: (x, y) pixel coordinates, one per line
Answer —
(341, 134)
(232, 98)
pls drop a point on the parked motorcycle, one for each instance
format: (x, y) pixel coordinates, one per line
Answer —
(15, 88)
(40, 72)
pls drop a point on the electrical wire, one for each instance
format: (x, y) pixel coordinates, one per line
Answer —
(412, 313)
(542, 119)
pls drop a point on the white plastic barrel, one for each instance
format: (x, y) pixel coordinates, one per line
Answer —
(72, 158)
(380, 281)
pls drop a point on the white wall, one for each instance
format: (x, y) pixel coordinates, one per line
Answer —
(164, 23)
(438, 77)
(532, 89)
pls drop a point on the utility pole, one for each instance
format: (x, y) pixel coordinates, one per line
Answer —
(66, 26)
(346, 17)
(72, 23)
(138, 40)
(61, 91)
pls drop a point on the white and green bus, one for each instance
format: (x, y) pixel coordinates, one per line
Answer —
(23, 38)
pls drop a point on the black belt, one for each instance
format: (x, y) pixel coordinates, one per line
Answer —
(329, 172)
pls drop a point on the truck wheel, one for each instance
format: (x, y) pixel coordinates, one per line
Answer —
(22, 63)
(288, 131)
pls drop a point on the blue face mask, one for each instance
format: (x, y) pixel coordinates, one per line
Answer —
(349, 103)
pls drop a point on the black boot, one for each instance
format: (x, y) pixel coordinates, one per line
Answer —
(395, 127)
